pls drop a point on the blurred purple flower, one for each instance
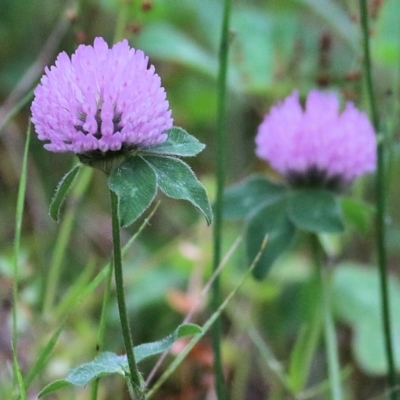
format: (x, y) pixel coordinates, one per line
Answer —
(318, 145)
(100, 100)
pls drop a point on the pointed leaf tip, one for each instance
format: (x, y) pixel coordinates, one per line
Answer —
(61, 192)
(179, 143)
(177, 180)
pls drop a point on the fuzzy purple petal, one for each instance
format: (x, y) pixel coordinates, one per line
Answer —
(100, 99)
(320, 136)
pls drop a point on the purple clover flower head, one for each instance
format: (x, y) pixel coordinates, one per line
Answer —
(319, 145)
(100, 100)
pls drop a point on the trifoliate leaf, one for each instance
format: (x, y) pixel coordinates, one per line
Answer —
(177, 180)
(179, 143)
(135, 184)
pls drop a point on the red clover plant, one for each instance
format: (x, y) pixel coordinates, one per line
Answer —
(319, 150)
(109, 108)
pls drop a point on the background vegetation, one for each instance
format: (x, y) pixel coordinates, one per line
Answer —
(276, 46)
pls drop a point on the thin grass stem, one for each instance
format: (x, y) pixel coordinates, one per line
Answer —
(220, 155)
(17, 243)
(380, 189)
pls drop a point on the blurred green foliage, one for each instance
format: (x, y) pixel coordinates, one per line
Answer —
(276, 45)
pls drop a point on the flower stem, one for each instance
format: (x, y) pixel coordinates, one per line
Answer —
(102, 325)
(221, 172)
(380, 189)
(329, 325)
(135, 382)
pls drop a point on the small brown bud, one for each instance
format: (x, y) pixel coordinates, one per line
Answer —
(72, 15)
(352, 76)
(80, 36)
(324, 79)
(134, 28)
(147, 5)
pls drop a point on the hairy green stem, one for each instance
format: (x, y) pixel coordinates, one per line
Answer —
(220, 155)
(329, 325)
(380, 189)
(135, 379)
(102, 325)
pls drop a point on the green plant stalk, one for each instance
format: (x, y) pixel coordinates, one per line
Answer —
(122, 20)
(135, 379)
(17, 243)
(329, 325)
(63, 239)
(102, 325)
(380, 189)
(221, 174)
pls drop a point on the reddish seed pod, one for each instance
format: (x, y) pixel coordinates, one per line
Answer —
(374, 8)
(134, 28)
(325, 42)
(352, 76)
(147, 5)
(72, 15)
(80, 36)
(349, 94)
(355, 18)
(324, 79)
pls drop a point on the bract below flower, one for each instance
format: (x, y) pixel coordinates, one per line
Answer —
(101, 99)
(319, 144)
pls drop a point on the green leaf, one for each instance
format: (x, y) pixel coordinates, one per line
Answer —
(108, 363)
(176, 180)
(104, 364)
(271, 220)
(315, 210)
(384, 41)
(135, 184)
(337, 18)
(164, 41)
(357, 213)
(253, 35)
(146, 350)
(356, 300)
(61, 191)
(179, 143)
(246, 197)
